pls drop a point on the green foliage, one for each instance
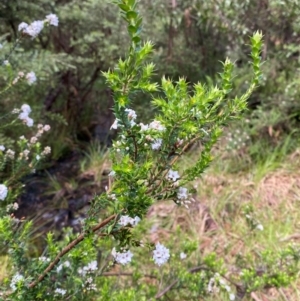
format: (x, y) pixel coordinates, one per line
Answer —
(145, 170)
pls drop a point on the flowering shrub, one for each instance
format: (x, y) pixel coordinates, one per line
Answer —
(145, 169)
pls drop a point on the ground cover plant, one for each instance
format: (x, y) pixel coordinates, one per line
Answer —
(148, 167)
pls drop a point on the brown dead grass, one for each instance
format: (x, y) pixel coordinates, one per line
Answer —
(215, 220)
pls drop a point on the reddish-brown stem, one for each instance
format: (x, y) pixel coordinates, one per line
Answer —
(68, 248)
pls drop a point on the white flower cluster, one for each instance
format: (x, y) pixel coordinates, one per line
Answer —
(90, 267)
(131, 116)
(12, 207)
(66, 264)
(182, 196)
(60, 291)
(44, 259)
(156, 145)
(173, 175)
(90, 285)
(3, 192)
(30, 77)
(24, 115)
(161, 254)
(15, 281)
(182, 256)
(36, 27)
(122, 257)
(127, 220)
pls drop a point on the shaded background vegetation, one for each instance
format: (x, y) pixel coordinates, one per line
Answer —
(190, 37)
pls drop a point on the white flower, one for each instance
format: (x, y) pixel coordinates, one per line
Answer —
(3, 192)
(173, 175)
(156, 144)
(131, 114)
(46, 151)
(34, 28)
(46, 128)
(60, 291)
(114, 125)
(182, 255)
(112, 173)
(10, 154)
(52, 19)
(6, 63)
(26, 108)
(28, 121)
(260, 227)
(144, 127)
(122, 257)
(16, 279)
(33, 140)
(31, 77)
(92, 266)
(127, 220)
(231, 297)
(44, 259)
(38, 157)
(161, 254)
(22, 26)
(15, 111)
(1, 46)
(182, 193)
(2, 148)
(156, 125)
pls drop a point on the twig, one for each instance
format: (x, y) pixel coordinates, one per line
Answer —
(67, 249)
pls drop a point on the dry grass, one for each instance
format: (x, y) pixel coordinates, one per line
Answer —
(217, 222)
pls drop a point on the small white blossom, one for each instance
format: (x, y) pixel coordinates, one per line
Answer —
(15, 111)
(173, 175)
(16, 279)
(38, 157)
(6, 63)
(182, 255)
(29, 121)
(10, 154)
(127, 220)
(26, 108)
(131, 114)
(3, 192)
(52, 19)
(33, 140)
(31, 77)
(22, 26)
(46, 128)
(44, 259)
(34, 28)
(92, 266)
(231, 297)
(1, 46)
(156, 125)
(122, 257)
(156, 144)
(2, 148)
(144, 127)
(161, 254)
(114, 125)
(182, 193)
(60, 291)
(260, 227)
(46, 151)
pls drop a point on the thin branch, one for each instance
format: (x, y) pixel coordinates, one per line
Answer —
(67, 249)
